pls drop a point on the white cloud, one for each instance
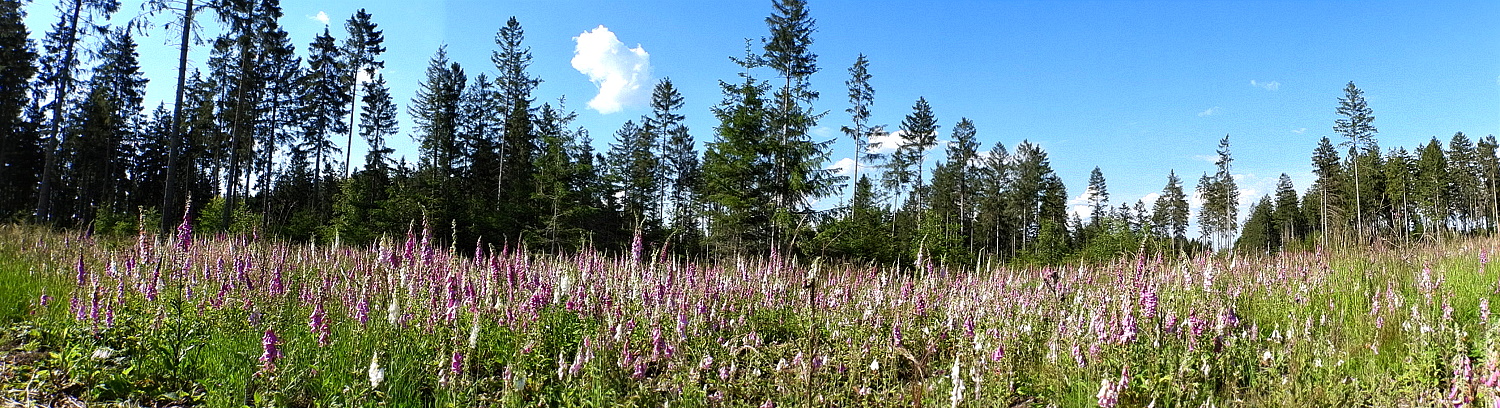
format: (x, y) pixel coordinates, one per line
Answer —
(622, 74)
(887, 143)
(843, 167)
(1079, 205)
(1299, 130)
(1150, 199)
(321, 17)
(364, 76)
(1210, 158)
(1209, 112)
(1269, 86)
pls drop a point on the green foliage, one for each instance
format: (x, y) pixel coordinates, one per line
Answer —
(241, 219)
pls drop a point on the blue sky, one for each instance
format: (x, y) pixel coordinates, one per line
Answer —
(1137, 88)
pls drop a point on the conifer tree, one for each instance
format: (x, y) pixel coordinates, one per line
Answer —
(1400, 175)
(1433, 189)
(797, 159)
(1098, 195)
(919, 130)
(861, 99)
(519, 143)
(327, 104)
(1288, 215)
(104, 124)
(1325, 161)
(1171, 209)
(76, 18)
(19, 151)
(1357, 127)
(362, 51)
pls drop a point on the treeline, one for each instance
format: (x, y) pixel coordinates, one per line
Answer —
(260, 141)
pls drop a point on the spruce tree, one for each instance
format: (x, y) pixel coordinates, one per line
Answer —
(797, 160)
(1325, 162)
(435, 112)
(362, 51)
(377, 121)
(1464, 174)
(105, 122)
(519, 142)
(76, 19)
(1400, 175)
(1433, 189)
(861, 99)
(327, 102)
(19, 151)
(1098, 194)
(1288, 214)
(1357, 127)
(919, 130)
(1170, 213)
(635, 165)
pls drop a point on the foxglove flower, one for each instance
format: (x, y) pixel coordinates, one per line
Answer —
(318, 324)
(377, 374)
(269, 352)
(1484, 310)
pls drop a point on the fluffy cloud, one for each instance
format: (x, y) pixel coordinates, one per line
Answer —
(887, 143)
(1209, 112)
(1269, 86)
(622, 74)
(843, 167)
(1299, 130)
(321, 17)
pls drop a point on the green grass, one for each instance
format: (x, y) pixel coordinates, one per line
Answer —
(1344, 328)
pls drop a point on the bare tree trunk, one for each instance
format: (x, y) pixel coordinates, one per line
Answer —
(169, 197)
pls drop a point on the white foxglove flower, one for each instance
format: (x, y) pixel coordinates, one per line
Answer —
(377, 374)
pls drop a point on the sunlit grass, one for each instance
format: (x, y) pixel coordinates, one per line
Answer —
(155, 320)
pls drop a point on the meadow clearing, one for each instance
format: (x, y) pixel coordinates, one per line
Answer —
(191, 320)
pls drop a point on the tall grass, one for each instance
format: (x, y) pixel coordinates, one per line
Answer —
(231, 321)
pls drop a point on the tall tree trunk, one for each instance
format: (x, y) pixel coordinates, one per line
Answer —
(63, 87)
(169, 196)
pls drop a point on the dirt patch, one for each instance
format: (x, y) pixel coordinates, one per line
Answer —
(25, 358)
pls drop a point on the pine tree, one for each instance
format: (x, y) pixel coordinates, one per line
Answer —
(1171, 209)
(362, 50)
(1400, 175)
(1288, 214)
(1433, 189)
(76, 18)
(327, 104)
(1325, 161)
(1098, 195)
(797, 160)
(1356, 126)
(919, 134)
(104, 123)
(519, 142)
(861, 99)
(19, 151)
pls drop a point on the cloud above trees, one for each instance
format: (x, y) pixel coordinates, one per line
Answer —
(623, 74)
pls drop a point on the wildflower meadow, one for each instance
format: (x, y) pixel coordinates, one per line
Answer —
(190, 320)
